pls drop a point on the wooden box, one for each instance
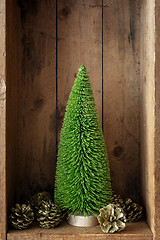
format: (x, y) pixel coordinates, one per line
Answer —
(42, 45)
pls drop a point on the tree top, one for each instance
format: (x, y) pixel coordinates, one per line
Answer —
(82, 68)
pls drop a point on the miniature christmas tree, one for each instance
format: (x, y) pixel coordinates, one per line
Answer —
(82, 176)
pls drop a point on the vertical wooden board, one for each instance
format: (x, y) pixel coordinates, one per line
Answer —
(79, 42)
(36, 97)
(147, 103)
(143, 107)
(157, 120)
(2, 120)
(11, 101)
(121, 94)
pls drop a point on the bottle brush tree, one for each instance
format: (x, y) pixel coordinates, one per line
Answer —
(82, 175)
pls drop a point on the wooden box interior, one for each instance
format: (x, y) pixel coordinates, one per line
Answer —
(47, 41)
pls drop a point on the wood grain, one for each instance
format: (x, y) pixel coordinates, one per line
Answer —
(133, 231)
(11, 101)
(127, 98)
(156, 164)
(150, 113)
(79, 42)
(121, 94)
(36, 156)
(2, 120)
(148, 110)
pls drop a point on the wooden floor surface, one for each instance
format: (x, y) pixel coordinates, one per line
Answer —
(133, 231)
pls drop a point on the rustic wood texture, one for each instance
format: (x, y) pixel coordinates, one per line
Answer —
(11, 101)
(150, 113)
(2, 120)
(36, 153)
(121, 94)
(148, 109)
(79, 42)
(114, 38)
(133, 231)
(156, 164)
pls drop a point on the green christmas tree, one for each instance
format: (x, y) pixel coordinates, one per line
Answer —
(82, 176)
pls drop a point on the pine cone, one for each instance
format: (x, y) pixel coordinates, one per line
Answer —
(21, 216)
(111, 218)
(116, 199)
(133, 211)
(36, 200)
(48, 215)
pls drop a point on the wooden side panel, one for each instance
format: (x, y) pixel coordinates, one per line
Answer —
(121, 94)
(150, 112)
(36, 157)
(79, 42)
(147, 93)
(157, 120)
(2, 120)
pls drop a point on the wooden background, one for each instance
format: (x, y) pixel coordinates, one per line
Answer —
(52, 40)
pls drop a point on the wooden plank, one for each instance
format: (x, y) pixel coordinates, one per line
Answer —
(11, 101)
(147, 97)
(36, 156)
(156, 164)
(24, 237)
(121, 94)
(79, 42)
(150, 112)
(2, 120)
(133, 231)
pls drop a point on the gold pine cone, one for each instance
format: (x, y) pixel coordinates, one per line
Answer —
(111, 218)
(21, 216)
(48, 215)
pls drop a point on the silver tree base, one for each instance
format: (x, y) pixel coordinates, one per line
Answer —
(82, 221)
